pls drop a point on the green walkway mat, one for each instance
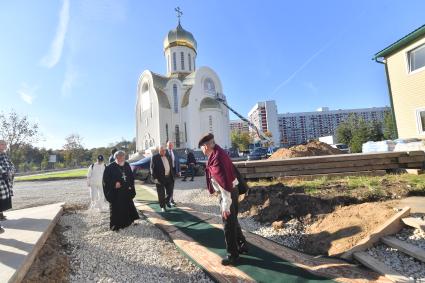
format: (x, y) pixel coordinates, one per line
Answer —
(259, 264)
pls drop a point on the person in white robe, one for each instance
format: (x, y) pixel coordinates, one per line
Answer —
(94, 182)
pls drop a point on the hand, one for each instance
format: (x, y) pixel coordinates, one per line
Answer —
(225, 214)
(117, 185)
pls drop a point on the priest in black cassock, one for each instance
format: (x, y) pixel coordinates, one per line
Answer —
(118, 187)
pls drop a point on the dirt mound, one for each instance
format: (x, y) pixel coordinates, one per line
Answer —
(337, 232)
(313, 148)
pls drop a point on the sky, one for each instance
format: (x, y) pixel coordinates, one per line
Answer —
(72, 66)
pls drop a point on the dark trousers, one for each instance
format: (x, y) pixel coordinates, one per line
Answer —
(232, 230)
(190, 170)
(165, 191)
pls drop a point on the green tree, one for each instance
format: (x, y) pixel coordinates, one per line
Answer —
(74, 150)
(240, 140)
(390, 131)
(17, 131)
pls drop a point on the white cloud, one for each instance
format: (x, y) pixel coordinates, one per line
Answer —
(56, 47)
(27, 93)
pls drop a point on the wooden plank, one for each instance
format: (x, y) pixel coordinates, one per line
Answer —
(319, 171)
(314, 166)
(406, 248)
(416, 153)
(391, 226)
(325, 158)
(380, 267)
(411, 159)
(419, 165)
(414, 222)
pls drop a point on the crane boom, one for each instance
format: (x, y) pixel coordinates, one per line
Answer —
(260, 134)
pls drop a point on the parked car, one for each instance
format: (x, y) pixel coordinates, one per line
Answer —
(343, 147)
(258, 153)
(141, 169)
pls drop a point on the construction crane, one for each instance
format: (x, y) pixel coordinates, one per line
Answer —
(264, 139)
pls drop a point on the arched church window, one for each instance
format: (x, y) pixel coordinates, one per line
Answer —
(174, 61)
(166, 132)
(176, 99)
(182, 59)
(209, 86)
(185, 132)
(177, 136)
(210, 123)
(194, 66)
(189, 59)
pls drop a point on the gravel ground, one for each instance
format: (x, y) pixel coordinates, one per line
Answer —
(399, 261)
(30, 194)
(139, 253)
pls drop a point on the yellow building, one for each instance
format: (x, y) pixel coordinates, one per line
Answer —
(404, 62)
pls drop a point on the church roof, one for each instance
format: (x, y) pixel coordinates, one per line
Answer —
(180, 37)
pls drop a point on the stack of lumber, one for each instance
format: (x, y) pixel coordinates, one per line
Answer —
(345, 164)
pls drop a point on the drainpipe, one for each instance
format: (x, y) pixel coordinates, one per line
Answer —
(389, 92)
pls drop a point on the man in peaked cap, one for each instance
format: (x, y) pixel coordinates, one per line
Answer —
(221, 178)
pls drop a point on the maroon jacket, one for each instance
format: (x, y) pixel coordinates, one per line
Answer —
(219, 167)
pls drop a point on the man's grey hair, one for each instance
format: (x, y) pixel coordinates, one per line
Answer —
(210, 143)
(119, 153)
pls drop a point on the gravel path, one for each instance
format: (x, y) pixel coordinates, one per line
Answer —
(30, 194)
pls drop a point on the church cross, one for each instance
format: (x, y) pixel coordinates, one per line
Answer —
(179, 13)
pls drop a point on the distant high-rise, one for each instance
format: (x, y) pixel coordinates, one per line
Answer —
(264, 116)
(239, 126)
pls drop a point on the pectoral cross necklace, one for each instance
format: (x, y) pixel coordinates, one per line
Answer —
(123, 176)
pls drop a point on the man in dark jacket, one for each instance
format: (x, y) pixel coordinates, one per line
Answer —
(162, 174)
(190, 162)
(221, 178)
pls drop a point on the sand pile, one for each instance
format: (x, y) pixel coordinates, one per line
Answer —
(313, 148)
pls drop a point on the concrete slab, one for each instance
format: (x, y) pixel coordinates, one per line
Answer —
(416, 204)
(26, 231)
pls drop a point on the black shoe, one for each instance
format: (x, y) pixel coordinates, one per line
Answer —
(173, 203)
(229, 260)
(1, 230)
(243, 248)
(191, 180)
(168, 205)
(184, 180)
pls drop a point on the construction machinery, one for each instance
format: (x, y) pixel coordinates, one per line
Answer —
(263, 138)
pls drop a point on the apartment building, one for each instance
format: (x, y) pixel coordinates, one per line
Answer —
(297, 128)
(264, 116)
(239, 126)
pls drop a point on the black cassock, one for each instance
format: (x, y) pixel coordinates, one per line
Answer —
(122, 209)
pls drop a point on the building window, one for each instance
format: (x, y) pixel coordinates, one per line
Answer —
(177, 136)
(174, 61)
(194, 66)
(210, 123)
(166, 132)
(168, 63)
(176, 99)
(420, 115)
(189, 59)
(185, 130)
(182, 59)
(416, 58)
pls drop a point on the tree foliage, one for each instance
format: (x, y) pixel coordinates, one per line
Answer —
(74, 150)
(355, 131)
(390, 132)
(17, 131)
(240, 140)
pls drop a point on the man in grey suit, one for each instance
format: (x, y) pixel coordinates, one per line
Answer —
(163, 176)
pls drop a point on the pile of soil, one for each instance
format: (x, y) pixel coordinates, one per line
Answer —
(313, 148)
(334, 233)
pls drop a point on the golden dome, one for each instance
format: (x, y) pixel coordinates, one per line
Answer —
(179, 37)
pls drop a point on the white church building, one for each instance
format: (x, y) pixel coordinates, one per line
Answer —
(180, 106)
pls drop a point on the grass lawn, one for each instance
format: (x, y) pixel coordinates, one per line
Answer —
(70, 174)
(379, 185)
